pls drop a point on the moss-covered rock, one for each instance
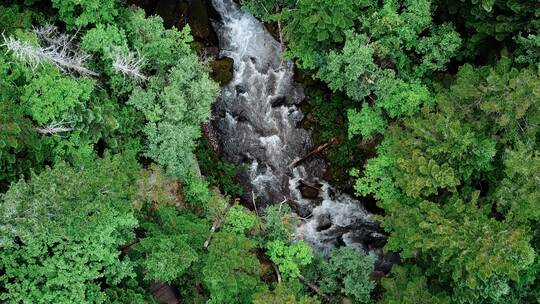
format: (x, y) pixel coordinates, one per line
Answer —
(222, 70)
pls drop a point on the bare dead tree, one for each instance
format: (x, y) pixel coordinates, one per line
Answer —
(129, 65)
(53, 128)
(57, 48)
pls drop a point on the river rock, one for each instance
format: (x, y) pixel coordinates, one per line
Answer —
(308, 192)
(200, 13)
(324, 222)
(222, 70)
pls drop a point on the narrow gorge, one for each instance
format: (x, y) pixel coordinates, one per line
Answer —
(257, 119)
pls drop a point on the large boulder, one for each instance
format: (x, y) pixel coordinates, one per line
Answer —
(222, 70)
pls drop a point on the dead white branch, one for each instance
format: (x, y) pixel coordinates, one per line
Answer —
(56, 48)
(129, 65)
(54, 128)
(48, 130)
(254, 203)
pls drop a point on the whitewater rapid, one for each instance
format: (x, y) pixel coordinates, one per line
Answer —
(257, 119)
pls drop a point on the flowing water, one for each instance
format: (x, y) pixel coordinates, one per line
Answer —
(257, 120)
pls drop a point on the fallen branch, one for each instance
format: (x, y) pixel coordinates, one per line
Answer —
(315, 151)
(254, 204)
(314, 287)
(280, 33)
(281, 204)
(276, 270)
(127, 247)
(215, 226)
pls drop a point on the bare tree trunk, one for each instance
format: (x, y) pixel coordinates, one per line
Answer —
(315, 151)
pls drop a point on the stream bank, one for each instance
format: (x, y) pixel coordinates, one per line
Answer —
(260, 126)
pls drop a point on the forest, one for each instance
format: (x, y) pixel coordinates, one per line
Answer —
(121, 182)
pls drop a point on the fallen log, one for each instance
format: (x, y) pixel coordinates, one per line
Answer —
(313, 287)
(309, 185)
(217, 223)
(334, 140)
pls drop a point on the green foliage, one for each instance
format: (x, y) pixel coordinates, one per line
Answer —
(528, 49)
(282, 295)
(427, 170)
(161, 48)
(289, 257)
(278, 223)
(352, 70)
(408, 285)
(167, 257)
(376, 50)
(498, 19)
(231, 271)
(218, 173)
(517, 194)
(367, 122)
(174, 114)
(51, 97)
(103, 38)
(14, 17)
(20, 149)
(437, 49)
(61, 232)
(347, 272)
(508, 99)
(330, 125)
(82, 13)
(456, 171)
(265, 9)
(316, 25)
(172, 244)
(239, 220)
(464, 241)
(400, 98)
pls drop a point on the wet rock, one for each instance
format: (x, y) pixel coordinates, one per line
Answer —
(173, 12)
(324, 222)
(278, 101)
(302, 210)
(199, 13)
(222, 70)
(240, 89)
(309, 191)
